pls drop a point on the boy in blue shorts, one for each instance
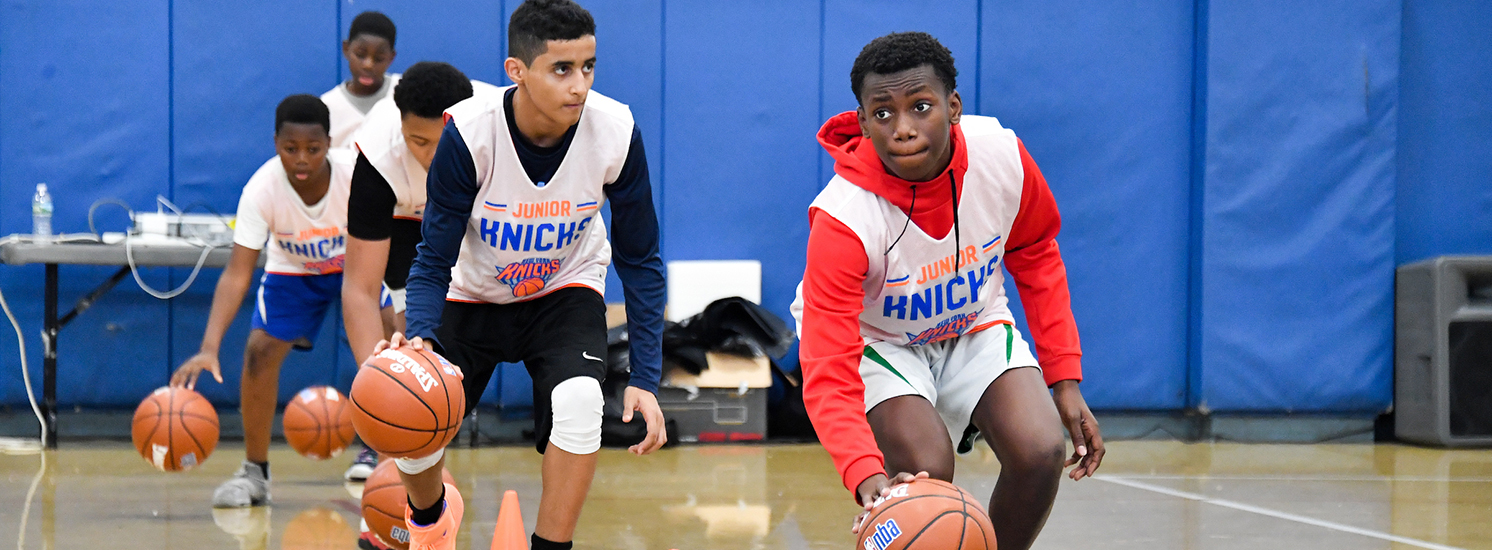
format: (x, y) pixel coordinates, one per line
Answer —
(294, 209)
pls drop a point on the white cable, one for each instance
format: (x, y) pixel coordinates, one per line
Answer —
(129, 257)
(23, 446)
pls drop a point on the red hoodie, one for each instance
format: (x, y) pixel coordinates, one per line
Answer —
(832, 293)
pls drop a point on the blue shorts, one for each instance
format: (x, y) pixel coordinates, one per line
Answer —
(292, 307)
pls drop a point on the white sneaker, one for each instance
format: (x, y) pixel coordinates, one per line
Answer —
(362, 466)
(248, 487)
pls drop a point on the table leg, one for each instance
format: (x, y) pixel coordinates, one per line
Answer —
(49, 357)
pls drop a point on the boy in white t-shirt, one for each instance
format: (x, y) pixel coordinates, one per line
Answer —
(369, 50)
(296, 206)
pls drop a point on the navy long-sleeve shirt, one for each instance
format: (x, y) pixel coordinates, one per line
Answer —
(451, 194)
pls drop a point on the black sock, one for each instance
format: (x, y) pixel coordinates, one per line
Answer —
(538, 543)
(428, 516)
(263, 468)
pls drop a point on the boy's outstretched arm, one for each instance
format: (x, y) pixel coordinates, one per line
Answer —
(634, 235)
(1035, 264)
(226, 299)
(451, 187)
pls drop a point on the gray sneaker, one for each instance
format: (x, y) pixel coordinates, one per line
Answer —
(247, 488)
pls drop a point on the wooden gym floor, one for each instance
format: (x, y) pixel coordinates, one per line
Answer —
(1151, 495)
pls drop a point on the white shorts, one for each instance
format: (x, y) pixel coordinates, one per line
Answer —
(391, 298)
(951, 374)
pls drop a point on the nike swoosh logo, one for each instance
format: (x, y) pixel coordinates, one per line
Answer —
(587, 355)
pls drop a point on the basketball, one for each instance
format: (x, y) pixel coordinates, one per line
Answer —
(175, 429)
(528, 286)
(407, 403)
(318, 422)
(384, 502)
(927, 514)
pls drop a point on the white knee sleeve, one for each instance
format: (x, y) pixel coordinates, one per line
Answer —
(576, 404)
(414, 466)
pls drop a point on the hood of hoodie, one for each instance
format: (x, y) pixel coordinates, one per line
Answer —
(855, 160)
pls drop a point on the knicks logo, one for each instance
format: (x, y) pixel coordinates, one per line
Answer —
(528, 276)
(948, 328)
(333, 265)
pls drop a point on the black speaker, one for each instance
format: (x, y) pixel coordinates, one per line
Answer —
(1443, 351)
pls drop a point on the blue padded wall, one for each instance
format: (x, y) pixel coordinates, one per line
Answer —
(1298, 209)
(741, 109)
(86, 113)
(1237, 179)
(1101, 97)
(1445, 130)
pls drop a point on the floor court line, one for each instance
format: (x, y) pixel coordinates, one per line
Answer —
(1273, 513)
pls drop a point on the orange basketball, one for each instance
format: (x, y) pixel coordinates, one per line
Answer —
(407, 403)
(384, 502)
(175, 429)
(528, 286)
(927, 514)
(318, 422)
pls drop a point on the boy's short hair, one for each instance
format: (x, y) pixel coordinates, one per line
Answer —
(428, 88)
(303, 109)
(374, 24)
(536, 22)
(900, 51)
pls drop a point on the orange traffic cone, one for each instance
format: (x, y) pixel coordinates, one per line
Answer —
(509, 535)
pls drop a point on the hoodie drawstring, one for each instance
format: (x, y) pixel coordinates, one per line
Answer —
(910, 209)
(957, 254)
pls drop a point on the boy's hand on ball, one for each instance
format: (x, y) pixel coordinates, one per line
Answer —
(186, 375)
(876, 487)
(643, 401)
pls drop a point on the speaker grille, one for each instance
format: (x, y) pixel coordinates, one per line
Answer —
(1471, 378)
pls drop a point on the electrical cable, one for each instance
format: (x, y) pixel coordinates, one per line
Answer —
(22, 446)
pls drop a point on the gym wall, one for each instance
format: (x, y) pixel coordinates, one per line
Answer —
(1237, 179)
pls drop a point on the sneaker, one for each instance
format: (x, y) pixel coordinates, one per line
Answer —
(369, 541)
(362, 466)
(248, 487)
(250, 526)
(440, 535)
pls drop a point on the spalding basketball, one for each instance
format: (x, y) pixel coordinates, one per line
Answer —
(407, 403)
(927, 514)
(318, 422)
(175, 429)
(384, 502)
(528, 286)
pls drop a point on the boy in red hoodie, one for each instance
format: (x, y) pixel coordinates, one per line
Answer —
(908, 346)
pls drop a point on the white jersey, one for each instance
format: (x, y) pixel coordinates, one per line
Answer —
(524, 240)
(347, 117)
(302, 239)
(381, 140)
(922, 291)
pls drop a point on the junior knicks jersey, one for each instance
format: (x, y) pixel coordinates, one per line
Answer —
(922, 290)
(302, 239)
(525, 239)
(381, 141)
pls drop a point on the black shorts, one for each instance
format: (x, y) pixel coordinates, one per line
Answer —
(558, 336)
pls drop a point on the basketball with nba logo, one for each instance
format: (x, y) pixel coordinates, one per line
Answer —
(927, 514)
(175, 429)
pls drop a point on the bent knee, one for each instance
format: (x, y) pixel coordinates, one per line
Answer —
(576, 407)
(1039, 457)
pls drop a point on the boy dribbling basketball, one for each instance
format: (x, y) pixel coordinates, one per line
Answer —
(908, 347)
(295, 206)
(513, 262)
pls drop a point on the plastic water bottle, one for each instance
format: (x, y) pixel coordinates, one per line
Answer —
(41, 214)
